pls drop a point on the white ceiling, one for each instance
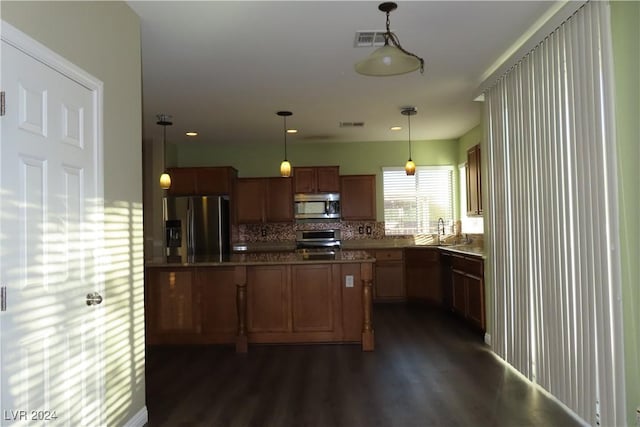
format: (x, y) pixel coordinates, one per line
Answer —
(223, 68)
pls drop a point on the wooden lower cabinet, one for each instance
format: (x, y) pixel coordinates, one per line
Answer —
(314, 299)
(388, 281)
(422, 275)
(475, 298)
(218, 303)
(458, 285)
(172, 306)
(446, 280)
(289, 303)
(298, 303)
(268, 299)
(467, 283)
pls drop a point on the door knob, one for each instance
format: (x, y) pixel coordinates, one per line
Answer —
(94, 298)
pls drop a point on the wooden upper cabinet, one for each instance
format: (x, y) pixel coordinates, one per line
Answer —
(316, 179)
(328, 179)
(201, 181)
(217, 180)
(279, 200)
(358, 197)
(304, 180)
(474, 182)
(250, 200)
(183, 181)
(261, 200)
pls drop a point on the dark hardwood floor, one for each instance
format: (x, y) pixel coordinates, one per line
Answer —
(427, 370)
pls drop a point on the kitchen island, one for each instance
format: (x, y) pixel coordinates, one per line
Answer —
(261, 298)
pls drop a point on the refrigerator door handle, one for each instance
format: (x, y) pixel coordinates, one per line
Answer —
(190, 250)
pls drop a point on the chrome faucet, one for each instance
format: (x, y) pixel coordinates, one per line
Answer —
(440, 229)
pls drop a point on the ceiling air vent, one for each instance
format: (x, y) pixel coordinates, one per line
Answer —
(369, 38)
(351, 124)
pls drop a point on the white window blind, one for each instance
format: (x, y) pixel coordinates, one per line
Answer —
(413, 204)
(552, 218)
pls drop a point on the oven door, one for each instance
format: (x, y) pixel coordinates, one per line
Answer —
(310, 239)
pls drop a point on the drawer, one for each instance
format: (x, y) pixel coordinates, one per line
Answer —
(474, 266)
(420, 255)
(388, 255)
(458, 262)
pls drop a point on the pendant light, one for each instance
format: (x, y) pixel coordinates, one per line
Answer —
(410, 166)
(390, 59)
(285, 166)
(165, 178)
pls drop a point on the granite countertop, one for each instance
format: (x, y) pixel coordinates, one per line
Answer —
(464, 249)
(261, 258)
(364, 244)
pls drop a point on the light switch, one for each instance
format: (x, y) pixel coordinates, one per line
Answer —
(348, 281)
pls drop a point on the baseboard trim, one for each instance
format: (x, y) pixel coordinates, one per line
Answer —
(139, 419)
(487, 338)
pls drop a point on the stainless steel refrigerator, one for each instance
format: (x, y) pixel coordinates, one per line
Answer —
(197, 228)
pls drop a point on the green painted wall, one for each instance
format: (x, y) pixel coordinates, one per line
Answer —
(625, 19)
(353, 157)
(103, 38)
(468, 140)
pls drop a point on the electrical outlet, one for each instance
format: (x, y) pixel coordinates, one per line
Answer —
(348, 281)
(263, 232)
(361, 230)
(369, 229)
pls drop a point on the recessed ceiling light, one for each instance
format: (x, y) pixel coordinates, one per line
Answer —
(192, 133)
(292, 130)
(396, 128)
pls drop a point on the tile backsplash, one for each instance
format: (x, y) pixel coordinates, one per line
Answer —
(350, 230)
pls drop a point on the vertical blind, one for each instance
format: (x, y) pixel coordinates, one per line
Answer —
(552, 218)
(413, 204)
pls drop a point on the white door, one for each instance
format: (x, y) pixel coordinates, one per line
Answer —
(50, 236)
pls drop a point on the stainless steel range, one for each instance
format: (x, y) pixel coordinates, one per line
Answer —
(318, 244)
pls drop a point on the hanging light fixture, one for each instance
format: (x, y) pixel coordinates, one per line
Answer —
(285, 166)
(165, 178)
(410, 166)
(390, 59)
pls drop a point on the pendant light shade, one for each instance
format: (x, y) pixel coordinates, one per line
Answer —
(391, 59)
(410, 166)
(285, 169)
(165, 181)
(387, 61)
(164, 120)
(285, 166)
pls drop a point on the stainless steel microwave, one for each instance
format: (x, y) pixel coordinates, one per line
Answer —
(324, 206)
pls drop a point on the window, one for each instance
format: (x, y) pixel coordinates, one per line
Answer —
(413, 204)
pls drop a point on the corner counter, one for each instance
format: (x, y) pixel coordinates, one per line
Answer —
(269, 297)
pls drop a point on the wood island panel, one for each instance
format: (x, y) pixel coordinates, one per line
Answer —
(313, 298)
(268, 299)
(352, 303)
(218, 296)
(172, 306)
